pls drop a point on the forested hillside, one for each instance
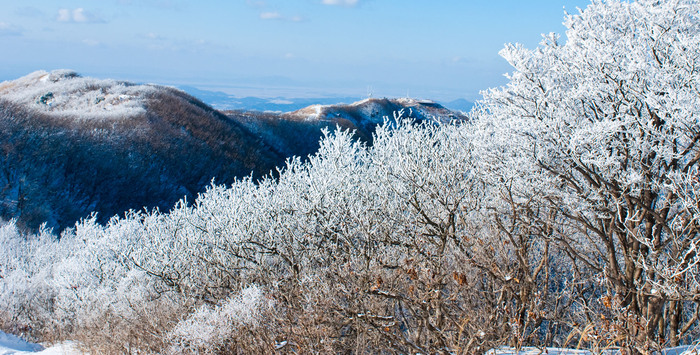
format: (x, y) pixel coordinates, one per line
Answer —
(564, 212)
(73, 146)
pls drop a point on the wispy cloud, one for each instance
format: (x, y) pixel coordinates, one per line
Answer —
(91, 42)
(162, 4)
(273, 15)
(77, 15)
(460, 60)
(153, 36)
(28, 11)
(347, 3)
(158, 42)
(256, 3)
(7, 29)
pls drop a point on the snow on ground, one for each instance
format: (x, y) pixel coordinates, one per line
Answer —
(681, 350)
(13, 345)
(534, 351)
(9, 342)
(64, 92)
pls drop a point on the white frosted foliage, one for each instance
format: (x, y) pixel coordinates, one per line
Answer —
(65, 93)
(210, 327)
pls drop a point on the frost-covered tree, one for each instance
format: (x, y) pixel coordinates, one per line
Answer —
(566, 211)
(25, 264)
(605, 128)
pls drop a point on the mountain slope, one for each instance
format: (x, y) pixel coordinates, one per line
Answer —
(71, 146)
(298, 132)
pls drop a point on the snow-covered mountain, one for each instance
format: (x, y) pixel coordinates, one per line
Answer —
(71, 145)
(298, 132)
(65, 93)
(223, 101)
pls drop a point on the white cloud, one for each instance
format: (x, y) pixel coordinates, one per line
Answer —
(77, 15)
(271, 16)
(162, 4)
(153, 36)
(278, 16)
(256, 3)
(348, 3)
(7, 29)
(64, 15)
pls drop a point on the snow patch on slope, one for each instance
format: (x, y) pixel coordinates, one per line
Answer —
(10, 344)
(681, 350)
(65, 93)
(13, 345)
(375, 110)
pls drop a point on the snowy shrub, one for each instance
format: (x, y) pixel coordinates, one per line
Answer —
(564, 214)
(208, 329)
(597, 130)
(26, 262)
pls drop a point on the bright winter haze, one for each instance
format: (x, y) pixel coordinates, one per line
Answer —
(442, 49)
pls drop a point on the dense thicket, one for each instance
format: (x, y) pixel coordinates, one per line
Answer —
(565, 213)
(603, 131)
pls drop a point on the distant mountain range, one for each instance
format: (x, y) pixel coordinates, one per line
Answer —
(297, 133)
(71, 146)
(223, 101)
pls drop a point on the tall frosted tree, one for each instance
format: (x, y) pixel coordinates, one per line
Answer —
(604, 128)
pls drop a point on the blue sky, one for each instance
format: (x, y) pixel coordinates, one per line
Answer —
(439, 49)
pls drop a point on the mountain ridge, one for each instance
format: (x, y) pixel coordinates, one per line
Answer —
(71, 146)
(227, 102)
